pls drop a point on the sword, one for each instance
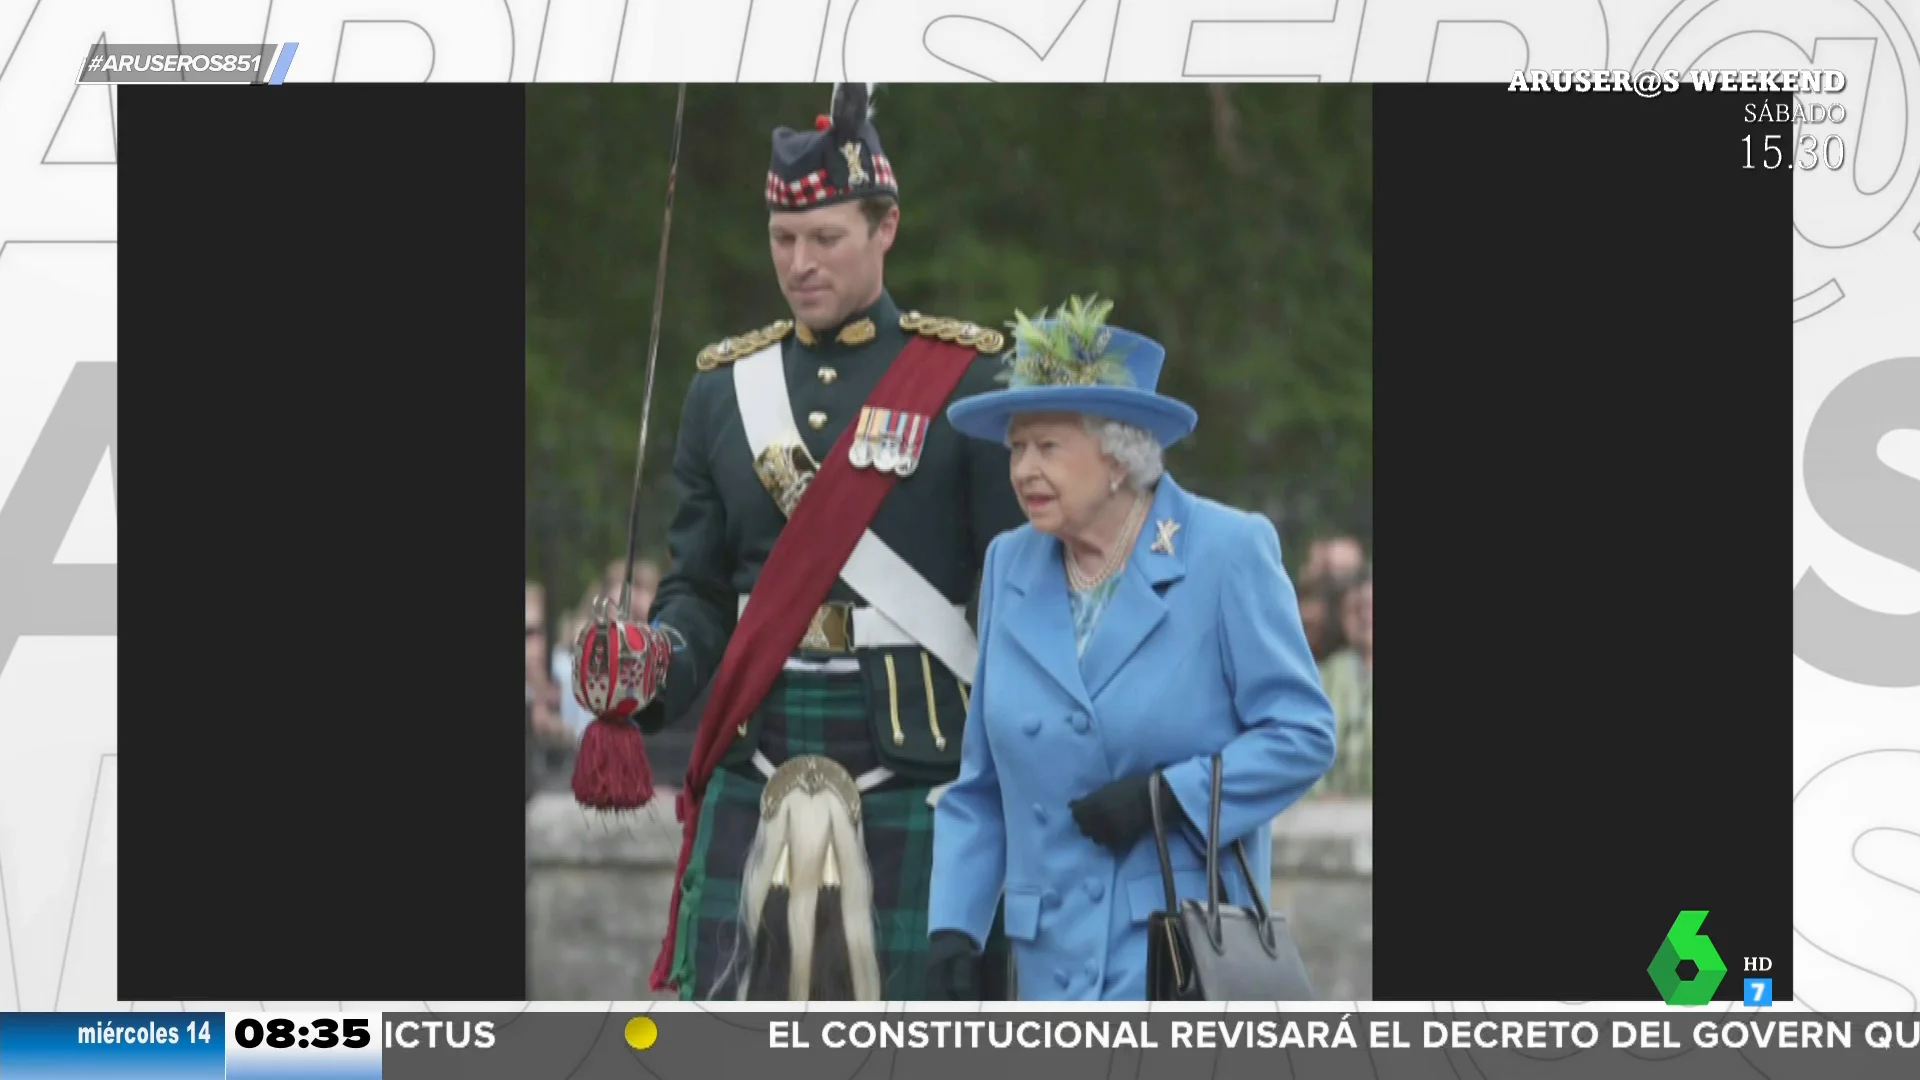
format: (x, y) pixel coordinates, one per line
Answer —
(653, 356)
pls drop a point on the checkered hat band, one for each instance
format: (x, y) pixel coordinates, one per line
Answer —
(813, 188)
(806, 191)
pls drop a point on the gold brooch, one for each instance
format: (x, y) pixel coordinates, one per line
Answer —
(1163, 542)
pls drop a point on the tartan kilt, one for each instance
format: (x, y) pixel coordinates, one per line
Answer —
(824, 713)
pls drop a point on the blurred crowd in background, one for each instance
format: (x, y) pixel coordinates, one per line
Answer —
(1334, 583)
(1335, 587)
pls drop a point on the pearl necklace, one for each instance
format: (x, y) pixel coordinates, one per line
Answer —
(1122, 547)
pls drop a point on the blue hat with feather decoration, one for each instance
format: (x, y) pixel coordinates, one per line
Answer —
(1073, 362)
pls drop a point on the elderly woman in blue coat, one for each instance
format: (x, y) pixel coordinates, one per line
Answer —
(1129, 629)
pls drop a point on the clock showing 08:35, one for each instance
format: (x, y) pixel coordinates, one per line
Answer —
(319, 1033)
(261, 1044)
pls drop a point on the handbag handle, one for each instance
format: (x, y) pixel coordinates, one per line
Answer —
(1154, 784)
(1215, 883)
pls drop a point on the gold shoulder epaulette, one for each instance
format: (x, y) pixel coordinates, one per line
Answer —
(972, 335)
(743, 346)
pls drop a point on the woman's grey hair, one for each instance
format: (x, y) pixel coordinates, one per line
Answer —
(1132, 448)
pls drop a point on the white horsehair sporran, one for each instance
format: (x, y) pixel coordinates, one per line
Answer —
(806, 901)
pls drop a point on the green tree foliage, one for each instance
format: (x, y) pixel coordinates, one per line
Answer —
(1232, 223)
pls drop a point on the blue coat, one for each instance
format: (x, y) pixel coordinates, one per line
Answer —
(1199, 652)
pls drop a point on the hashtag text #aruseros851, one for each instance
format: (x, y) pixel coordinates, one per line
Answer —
(167, 63)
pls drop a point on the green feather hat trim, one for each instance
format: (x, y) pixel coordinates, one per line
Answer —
(1070, 348)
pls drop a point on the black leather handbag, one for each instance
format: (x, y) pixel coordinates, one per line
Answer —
(1215, 951)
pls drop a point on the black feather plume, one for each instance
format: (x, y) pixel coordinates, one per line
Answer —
(772, 962)
(852, 107)
(832, 975)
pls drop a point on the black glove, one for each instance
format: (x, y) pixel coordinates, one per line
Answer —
(953, 967)
(1117, 815)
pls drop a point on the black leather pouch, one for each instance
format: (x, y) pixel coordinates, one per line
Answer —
(918, 710)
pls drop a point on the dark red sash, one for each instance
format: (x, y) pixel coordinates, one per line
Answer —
(799, 573)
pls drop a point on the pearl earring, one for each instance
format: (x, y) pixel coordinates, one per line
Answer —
(1113, 487)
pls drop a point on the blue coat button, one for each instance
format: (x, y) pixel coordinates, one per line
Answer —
(1080, 723)
(1093, 969)
(1061, 978)
(1039, 813)
(1033, 725)
(1096, 889)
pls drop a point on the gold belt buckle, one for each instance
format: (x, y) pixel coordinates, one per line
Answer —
(830, 630)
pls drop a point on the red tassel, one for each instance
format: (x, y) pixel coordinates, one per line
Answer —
(820, 123)
(611, 771)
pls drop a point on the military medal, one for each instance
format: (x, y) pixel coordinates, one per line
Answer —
(887, 454)
(861, 452)
(915, 439)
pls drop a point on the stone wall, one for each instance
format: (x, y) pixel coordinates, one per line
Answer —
(597, 900)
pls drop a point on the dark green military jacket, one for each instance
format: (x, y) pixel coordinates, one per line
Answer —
(939, 519)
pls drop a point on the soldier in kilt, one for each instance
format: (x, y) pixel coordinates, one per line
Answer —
(883, 707)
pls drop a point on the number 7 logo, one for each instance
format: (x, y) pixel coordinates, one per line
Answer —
(1759, 992)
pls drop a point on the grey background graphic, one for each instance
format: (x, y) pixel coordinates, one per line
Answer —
(587, 1046)
(1855, 231)
(1874, 506)
(43, 598)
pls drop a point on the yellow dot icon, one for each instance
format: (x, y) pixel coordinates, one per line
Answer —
(641, 1032)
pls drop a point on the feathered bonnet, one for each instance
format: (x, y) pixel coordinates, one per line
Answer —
(838, 161)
